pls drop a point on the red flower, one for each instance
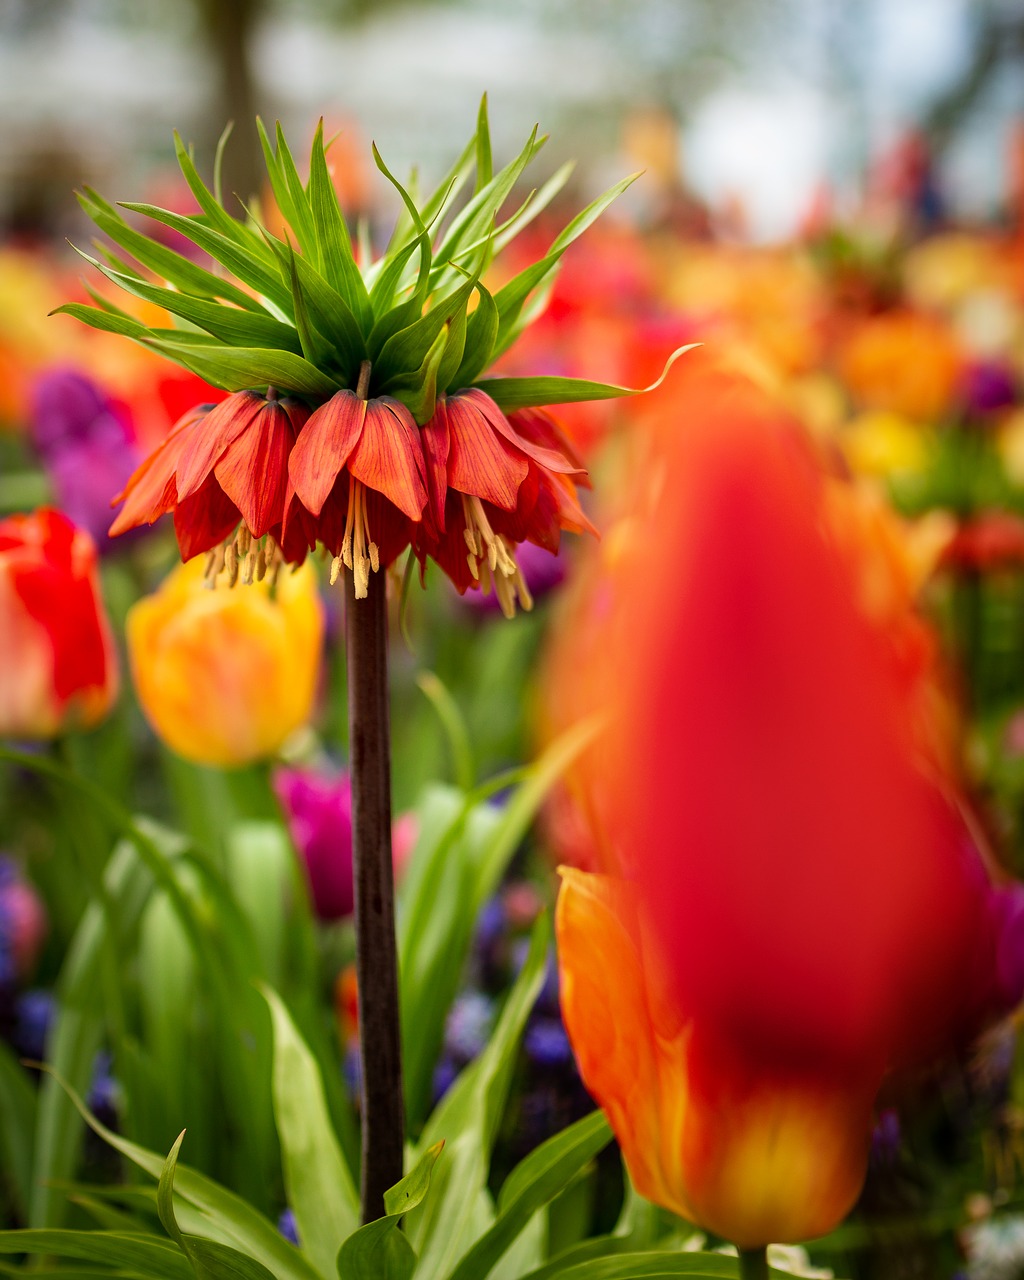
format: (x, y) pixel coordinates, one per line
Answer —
(223, 471)
(59, 665)
(360, 478)
(358, 468)
(495, 482)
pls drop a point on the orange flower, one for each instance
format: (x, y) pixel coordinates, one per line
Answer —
(903, 362)
(59, 665)
(804, 908)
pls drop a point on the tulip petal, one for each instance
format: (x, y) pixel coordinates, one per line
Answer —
(388, 458)
(219, 428)
(253, 470)
(323, 448)
(605, 1004)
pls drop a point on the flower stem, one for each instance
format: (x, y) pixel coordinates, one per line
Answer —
(754, 1264)
(380, 1054)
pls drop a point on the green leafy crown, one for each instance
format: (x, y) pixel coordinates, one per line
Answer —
(304, 313)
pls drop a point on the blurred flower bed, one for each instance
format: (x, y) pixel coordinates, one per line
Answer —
(126, 688)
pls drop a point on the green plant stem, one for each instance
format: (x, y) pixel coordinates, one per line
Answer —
(754, 1264)
(380, 1054)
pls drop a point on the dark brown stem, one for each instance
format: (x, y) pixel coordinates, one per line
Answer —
(380, 1054)
(754, 1264)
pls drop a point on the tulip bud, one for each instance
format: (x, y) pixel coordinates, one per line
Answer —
(59, 667)
(318, 809)
(223, 677)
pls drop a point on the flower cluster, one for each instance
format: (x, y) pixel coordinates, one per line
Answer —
(358, 418)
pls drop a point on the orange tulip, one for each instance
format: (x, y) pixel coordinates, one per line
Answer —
(795, 906)
(59, 666)
(903, 362)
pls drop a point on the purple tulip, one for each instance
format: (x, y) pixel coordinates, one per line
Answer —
(318, 808)
(86, 444)
(988, 385)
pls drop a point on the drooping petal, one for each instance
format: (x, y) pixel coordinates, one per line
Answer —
(204, 519)
(435, 440)
(297, 534)
(151, 490)
(388, 458)
(323, 448)
(551, 459)
(205, 446)
(481, 461)
(540, 428)
(253, 470)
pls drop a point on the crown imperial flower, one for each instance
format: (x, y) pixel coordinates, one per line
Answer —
(359, 419)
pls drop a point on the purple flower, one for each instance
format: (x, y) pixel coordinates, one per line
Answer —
(988, 385)
(22, 924)
(317, 805)
(86, 444)
(287, 1226)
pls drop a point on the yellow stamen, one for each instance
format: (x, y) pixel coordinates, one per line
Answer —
(358, 550)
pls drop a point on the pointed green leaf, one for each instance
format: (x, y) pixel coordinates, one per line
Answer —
(481, 331)
(315, 347)
(646, 1266)
(288, 190)
(512, 296)
(478, 216)
(165, 1193)
(524, 393)
(251, 263)
(317, 1180)
(533, 1183)
(378, 1250)
(422, 234)
(484, 163)
(220, 220)
(386, 287)
(166, 263)
(300, 217)
(231, 325)
(418, 390)
(440, 201)
(241, 368)
(218, 161)
(335, 245)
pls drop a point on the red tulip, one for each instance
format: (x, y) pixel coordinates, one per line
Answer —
(59, 666)
(804, 908)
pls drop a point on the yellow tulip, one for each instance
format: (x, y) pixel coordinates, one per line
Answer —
(225, 676)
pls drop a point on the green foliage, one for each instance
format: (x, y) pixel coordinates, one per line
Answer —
(302, 315)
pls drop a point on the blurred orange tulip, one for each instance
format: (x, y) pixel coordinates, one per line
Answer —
(224, 676)
(904, 362)
(58, 665)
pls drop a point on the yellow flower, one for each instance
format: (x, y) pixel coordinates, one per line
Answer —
(224, 677)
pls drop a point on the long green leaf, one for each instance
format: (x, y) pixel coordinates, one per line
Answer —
(251, 263)
(230, 325)
(328, 314)
(403, 353)
(523, 393)
(220, 220)
(481, 332)
(648, 1266)
(166, 263)
(317, 1180)
(151, 1256)
(241, 368)
(422, 289)
(418, 390)
(335, 244)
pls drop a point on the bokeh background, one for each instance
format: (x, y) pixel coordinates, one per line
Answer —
(771, 101)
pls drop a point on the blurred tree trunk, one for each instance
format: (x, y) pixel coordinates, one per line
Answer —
(230, 26)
